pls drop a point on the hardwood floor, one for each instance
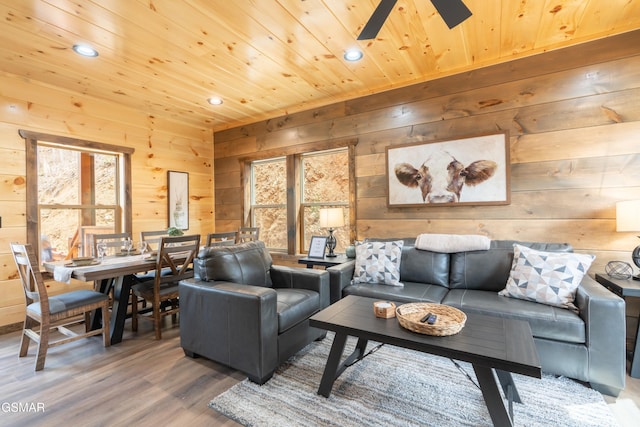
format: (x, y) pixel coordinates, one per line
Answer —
(139, 381)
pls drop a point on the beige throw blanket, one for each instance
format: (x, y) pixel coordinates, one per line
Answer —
(450, 243)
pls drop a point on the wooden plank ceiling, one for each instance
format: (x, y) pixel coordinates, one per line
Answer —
(272, 57)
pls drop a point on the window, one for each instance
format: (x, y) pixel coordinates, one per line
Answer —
(325, 184)
(269, 201)
(87, 195)
(287, 193)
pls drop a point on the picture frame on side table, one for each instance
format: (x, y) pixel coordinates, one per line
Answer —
(178, 199)
(473, 170)
(317, 247)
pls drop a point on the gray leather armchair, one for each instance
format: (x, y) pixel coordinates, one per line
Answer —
(244, 312)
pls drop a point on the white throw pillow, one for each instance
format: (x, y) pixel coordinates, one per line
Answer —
(378, 262)
(546, 277)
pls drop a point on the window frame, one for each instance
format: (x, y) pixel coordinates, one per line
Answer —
(292, 154)
(123, 154)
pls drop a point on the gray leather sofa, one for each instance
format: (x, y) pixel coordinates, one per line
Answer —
(244, 312)
(588, 346)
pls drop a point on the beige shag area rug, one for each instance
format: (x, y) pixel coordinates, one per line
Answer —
(398, 387)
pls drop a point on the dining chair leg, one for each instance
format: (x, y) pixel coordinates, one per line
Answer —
(43, 345)
(134, 312)
(106, 331)
(26, 340)
(87, 321)
(156, 321)
(174, 316)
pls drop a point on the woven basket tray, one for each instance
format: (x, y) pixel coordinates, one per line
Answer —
(450, 320)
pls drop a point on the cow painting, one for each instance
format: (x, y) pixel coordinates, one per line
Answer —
(441, 177)
(464, 171)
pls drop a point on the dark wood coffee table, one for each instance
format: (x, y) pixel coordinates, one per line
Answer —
(491, 344)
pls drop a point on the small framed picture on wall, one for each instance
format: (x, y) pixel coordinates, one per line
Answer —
(178, 197)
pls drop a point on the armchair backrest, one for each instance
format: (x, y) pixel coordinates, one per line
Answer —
(245, 263)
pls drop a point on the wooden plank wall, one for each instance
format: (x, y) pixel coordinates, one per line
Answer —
(160, 146)
(573, 116)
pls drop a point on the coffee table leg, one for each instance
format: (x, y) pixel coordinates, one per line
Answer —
(333, 369)
(492, 397)
(333, 364)
(508, 387)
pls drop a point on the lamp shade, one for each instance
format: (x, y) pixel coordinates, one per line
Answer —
(331, 217)
(628, 215)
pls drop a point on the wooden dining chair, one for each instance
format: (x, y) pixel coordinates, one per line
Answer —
(153, 238)
(221, 239)
(175, 254)
(44, 312)
(113, 241)
(247, 234)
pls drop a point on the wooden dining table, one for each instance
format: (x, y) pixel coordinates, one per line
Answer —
(113, 272)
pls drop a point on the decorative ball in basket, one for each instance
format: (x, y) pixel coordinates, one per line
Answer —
(444, 320)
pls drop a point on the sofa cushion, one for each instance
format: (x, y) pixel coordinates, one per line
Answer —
(546, 277)
(424, 266)
(245, 263)
(410, 292)
(420, 265)
(546, 321)
(378, 262)
(295, 306)
(489, 270)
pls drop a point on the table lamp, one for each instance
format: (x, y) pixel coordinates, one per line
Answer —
(628, 219)
(331, 218)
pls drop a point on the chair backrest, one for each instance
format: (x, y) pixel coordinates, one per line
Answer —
(30, 276)
(114, 242)
(221, 239)
(247, 234)
(175, 256)
(87, 232)
(153, 238)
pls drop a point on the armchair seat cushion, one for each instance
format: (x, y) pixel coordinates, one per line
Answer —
(295, 306)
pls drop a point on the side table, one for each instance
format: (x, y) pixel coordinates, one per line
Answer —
(625, 288)
(324, 262)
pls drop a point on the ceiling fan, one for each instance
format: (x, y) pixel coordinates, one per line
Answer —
(453, 12)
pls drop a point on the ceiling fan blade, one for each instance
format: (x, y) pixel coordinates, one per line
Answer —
(453, 12)
(378, 17)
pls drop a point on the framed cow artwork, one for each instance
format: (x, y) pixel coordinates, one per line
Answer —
(463, 171)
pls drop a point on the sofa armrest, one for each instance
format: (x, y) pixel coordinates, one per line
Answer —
(233, 324)
(302, 278)
(339, 278)
(603, 313)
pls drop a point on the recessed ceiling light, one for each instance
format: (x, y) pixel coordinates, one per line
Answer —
(353, 55)
(84, 50)
(215, 100)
